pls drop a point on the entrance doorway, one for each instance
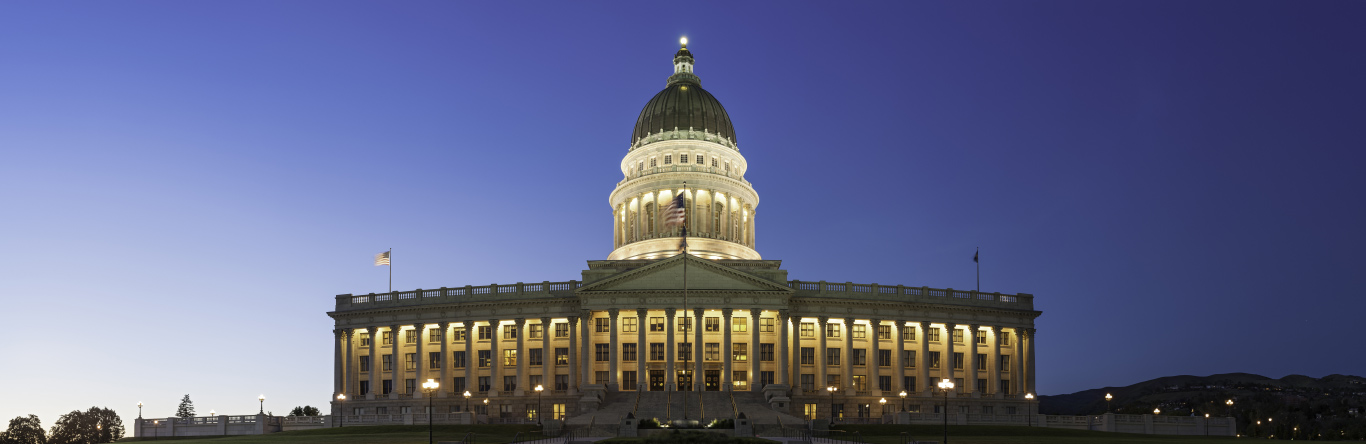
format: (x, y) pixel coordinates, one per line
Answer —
(684, 381)
(656, 380)
(712, 379)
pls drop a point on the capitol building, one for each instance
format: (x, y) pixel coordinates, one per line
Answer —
(711, 334)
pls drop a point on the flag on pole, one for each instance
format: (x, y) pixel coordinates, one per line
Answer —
(674, 213)
(974, 256)
(382, 259)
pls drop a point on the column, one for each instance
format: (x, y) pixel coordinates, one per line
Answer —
(471, 359)
(670, 373)
(922, 355)
(946, 362)
(782, 370)
(970, 361)
(754, 350)
(418, 371)
(446, 381)
(574, 382)
(375, 368)
(1029, 365)
(820, 353)
(847, 357)
(396, 376)
(642, 349)
(725, 349)
(899, 359)
(613, 349)
(994, 364)
(872, 364)
(1016, 364)
(351, 380)
(338, 375)
(696, 326)
(523, 379)
(586, 348)
(547, 355)
(495, 367)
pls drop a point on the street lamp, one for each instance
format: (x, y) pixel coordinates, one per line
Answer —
(262, 398)
(156, 429)
(832, 390)
(213, 413)
(341, 398)
(945, 386)
(1157, 411)
(1229, 403)
(1107, 402)
(467, 405)
(430, 388)
(539, 388)
(1029, 409)
(882, 404)
(903, 400)
(139, 409)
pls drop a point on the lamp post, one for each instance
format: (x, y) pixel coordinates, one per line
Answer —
(1157, 411)
(945, 386)
(903, 400)
(539, 388)
(262, 398)
(213, 413)
(156, 430)
(139, 409)
(486, 406)
(832, 390)
(467, 406)
(882, 404)
(1229, 403)
(1107, 402)
(1207, 424)
(1029, 409)
(341, 398)
(430, 388)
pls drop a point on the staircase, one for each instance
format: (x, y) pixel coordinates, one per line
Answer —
(666, 406)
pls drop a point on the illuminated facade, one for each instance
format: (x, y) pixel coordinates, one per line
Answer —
(627, 337)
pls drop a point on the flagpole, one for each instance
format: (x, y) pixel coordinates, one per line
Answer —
(976, 259)
(391, 269)
(685, 302)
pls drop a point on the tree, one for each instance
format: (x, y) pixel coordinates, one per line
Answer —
(186, 408)
(305, 411)
(24, 430)
(96, 425)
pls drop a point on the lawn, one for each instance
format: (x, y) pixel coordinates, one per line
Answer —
(395, 434)
(890, 434)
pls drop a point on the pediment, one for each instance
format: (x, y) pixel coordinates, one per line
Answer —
(667, 276)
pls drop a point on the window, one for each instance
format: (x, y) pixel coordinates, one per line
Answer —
(713, 324)
(981, 361)
(628, 325)
(485, 358)
(510, 332)
(562, 330)
(410, 336)
(711, 351)
(739, 352)
(388, 362)
(561, 382)
(602, 352)
(832, 330)
(908, 358)
(766, 352)
(808, 329)
(864, 410)
(628, 352)
(387, 338)
(457, 334)
(700, 159)
(908, 333)
(685, 324)
(957, 336)
(601, 325)
(458, 359)
(808, 356)
(739, 325)
(959, 388)
(458, 384)
(409, 385)
(1005, 386)
(832, 356)
(934, 359)
(534, 331)
(860, 356)
(832, 381)
(484, 384)
(1005, 363)
(766, 325)
(410, 361)
(557, 410)
(685, 351)
(652, 162)
(884, 358)
(365, 363)
(628, 380)
(561, 356)
(641, 166)
(980, 384)
(808, 382)
(381, 410)
(434, 360)
(932, 335)
(860, 331)
(485, 332)
(434, 336)
(884, 332)
(510, 358)
(387, 385)
(739, 379)
(668, 159)
(860, 382)
(509, 383)
(405, 410)
(981, 338)
(713, 162)
(364, 339)
(657, 351)
(884, 383)
(535, 356)
(657, 324)
(1005, 339)
(727, 166)
(958, 361)
(364, 388)
(683, 158)
(909, 384)
(600, 378)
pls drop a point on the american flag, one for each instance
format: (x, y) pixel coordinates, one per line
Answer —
(673, 212)
(382, 259)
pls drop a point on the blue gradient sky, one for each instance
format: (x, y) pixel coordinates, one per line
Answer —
(186, 185)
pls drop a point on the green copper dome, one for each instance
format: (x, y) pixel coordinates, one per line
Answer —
(683, 105)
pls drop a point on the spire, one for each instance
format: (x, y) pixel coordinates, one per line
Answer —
(683, 62)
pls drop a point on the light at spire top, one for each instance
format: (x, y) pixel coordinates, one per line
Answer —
(683, 41)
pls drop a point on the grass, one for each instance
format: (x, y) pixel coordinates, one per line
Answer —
(891, 434)
(389, 434)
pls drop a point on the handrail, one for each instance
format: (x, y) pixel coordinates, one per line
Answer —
(636, 408)
(735, 410)
(468, 438)
(669, 405)
(701, 407)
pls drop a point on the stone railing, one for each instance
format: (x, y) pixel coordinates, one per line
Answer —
(467, 293)
(721, 171)
(902, 293)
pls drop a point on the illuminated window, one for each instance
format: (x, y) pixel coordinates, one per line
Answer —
(860, 382)
(561, 356)
(860, 331)
(711, 351)
(739, 352)
(562, 330)
(364, 339)
(739, 325)
(808, 329)
(713, 324)
(766, 325)
(628, 325)
(509, 358)
(738, 379)
(510, 332)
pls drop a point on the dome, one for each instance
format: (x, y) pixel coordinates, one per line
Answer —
(683, 105)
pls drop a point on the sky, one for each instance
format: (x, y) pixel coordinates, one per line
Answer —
(185, 186)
